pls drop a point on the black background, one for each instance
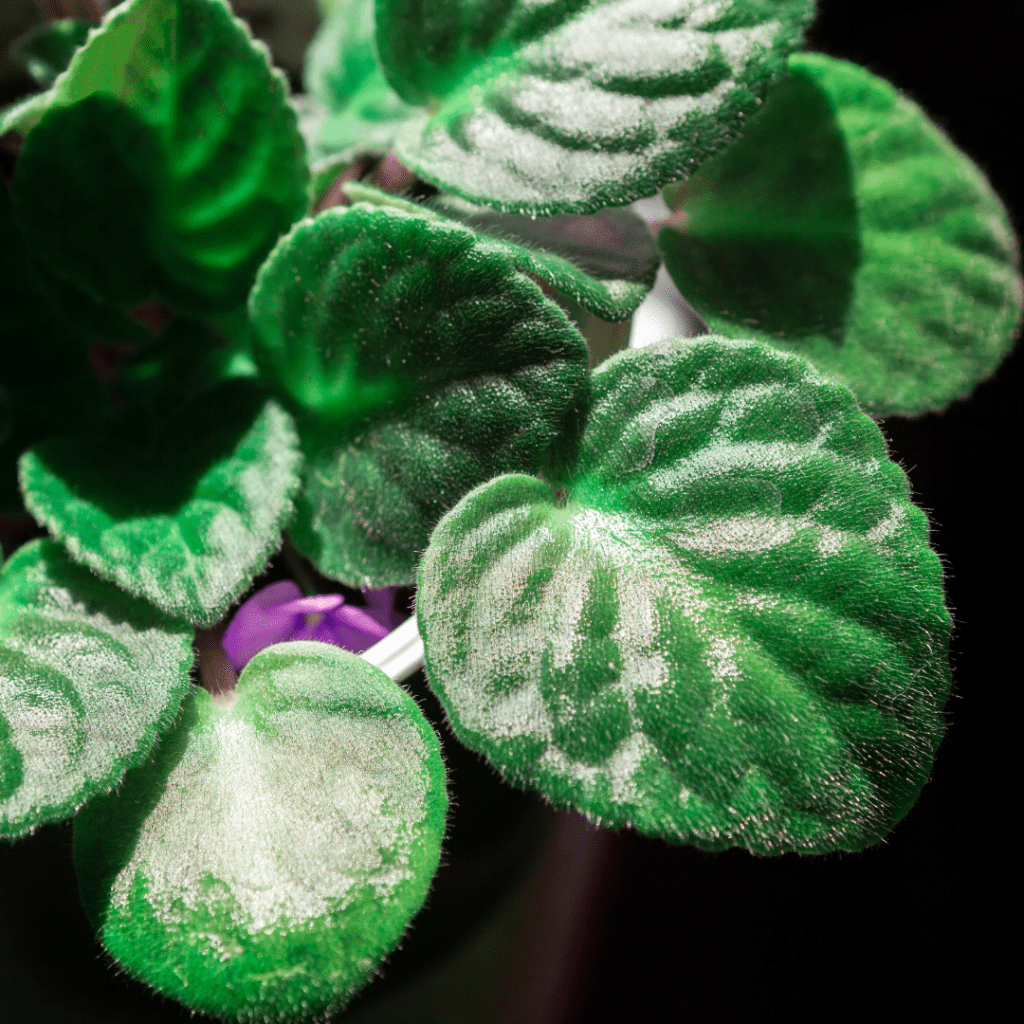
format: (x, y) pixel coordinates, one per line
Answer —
(909, 925)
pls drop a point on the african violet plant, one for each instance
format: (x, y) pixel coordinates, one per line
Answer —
(684, 591)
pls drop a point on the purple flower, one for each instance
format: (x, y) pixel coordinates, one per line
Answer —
(280, 612)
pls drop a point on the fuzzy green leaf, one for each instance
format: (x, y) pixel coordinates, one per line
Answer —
(261, 865)
(88, 678)
(185, 518)
(606, 262)
(845, 226)
(728, 629)
(573, 105)
(365, 113)
(420, 362)
(168, 159)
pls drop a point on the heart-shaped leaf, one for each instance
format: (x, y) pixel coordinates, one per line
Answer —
(420, 363)
(174, 102)
(88, 678)
(727, 628)
(267, 858)
(364, 114)
(606, 262)
(572, 106)
(845, 226)
(185, 519)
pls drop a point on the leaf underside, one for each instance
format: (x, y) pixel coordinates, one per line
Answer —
(420, 362)
(572, 106)
(727, 630)
(88, 678)
(846, 227)
(271, 853)
(174, 101)
(185, 519)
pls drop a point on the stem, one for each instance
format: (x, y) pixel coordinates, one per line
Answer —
(297, 567)
(391, 175)
(216, 673)
(603, 337)
(335, 195)
(388, 174)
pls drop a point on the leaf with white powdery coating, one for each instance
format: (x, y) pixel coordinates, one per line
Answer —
(727, 629)
(573, 105)
(419, 363)
(846, 227)
(88, 678)
(186, 518)
(271, 853)
(174, 101)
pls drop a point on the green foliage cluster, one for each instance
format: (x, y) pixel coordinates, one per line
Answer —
(684, 591)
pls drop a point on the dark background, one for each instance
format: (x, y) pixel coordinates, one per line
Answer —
(670, 932)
